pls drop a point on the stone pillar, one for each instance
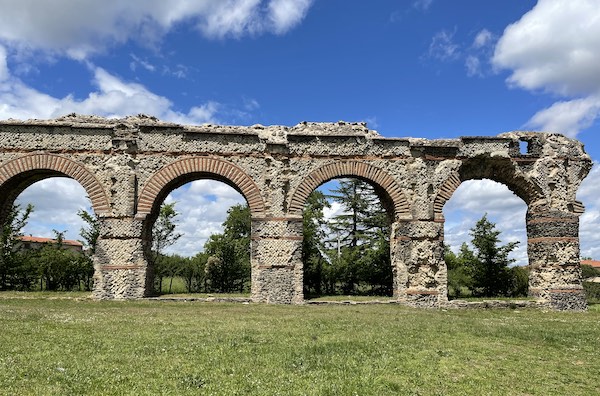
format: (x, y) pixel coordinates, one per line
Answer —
(276, 260)
(120, 268)
(417, 256)
(554, 263)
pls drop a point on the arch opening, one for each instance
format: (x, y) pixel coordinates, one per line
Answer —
(485, 241)
(208, 249)
(51, 247)
(346, 240)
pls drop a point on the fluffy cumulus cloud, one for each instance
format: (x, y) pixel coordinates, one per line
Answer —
(56, 202)
(555, 48)
(84, 27)
(113, 97)
(81, 29)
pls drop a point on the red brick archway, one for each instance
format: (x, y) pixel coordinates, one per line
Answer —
(209, 167)
(63, 167)
(357, 169)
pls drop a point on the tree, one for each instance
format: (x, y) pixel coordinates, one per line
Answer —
(163, 236)
(312, 244)
(14, 263)
(193, 271)
(491, 274)
(228, 262)
(363, 218)
(91, 231)
(360, 248)
(460, 270)
(59, 268)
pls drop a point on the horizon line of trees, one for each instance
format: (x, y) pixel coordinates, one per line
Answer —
(348, 253)
(52, 267)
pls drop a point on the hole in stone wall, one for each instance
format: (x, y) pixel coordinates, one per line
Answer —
(50, 252)
(212, 252)
(469, 203)
(346, 251)
(524, 147)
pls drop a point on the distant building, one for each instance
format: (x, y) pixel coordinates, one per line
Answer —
(591, 263)
(595, 264)
(36, 243)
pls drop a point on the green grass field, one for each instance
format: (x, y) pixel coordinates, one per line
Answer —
(66, 344)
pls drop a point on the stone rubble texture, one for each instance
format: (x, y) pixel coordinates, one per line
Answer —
(128, 166)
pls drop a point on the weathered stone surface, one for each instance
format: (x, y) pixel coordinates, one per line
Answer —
(128, 166)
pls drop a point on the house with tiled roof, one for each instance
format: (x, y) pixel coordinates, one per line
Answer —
(591, 263)
(36, 243)
(594, 264)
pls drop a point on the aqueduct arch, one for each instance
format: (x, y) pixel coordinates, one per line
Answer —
(18, 174)
(128, 165)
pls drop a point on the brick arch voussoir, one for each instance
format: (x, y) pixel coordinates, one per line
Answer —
(220, 168)
(63, 165)
(358, 169)
(445, 192)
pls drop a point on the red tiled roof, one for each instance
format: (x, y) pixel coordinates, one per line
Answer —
(593, 263)
(26, 238)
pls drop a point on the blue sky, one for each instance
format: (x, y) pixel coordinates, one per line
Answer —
(420, 68)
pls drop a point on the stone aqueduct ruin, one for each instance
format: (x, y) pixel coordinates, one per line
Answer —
(128, 166)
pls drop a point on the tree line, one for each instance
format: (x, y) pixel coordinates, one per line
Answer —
(223, 266)
(51, 267)
(347, 253)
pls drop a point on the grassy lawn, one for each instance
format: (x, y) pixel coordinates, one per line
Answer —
(74, 346)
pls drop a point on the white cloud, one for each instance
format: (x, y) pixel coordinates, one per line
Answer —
(286, 14)
(443, 47)
(567, 117)
(113, 98)
(481, 48)
(422, 4)
(203, 206)
(78, 29)
(56, 202)
(133, 65)
(483, 38)
(473, 65)
(555, 48)
(4, 73)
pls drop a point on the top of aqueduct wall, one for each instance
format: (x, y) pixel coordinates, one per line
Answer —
(539, 144)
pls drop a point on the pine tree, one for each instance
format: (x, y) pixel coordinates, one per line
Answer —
(491, 274)
(360, 245)
(312, 243)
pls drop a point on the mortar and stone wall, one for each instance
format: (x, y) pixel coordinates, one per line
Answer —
(128, 166)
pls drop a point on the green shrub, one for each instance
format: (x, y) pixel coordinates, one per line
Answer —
(592, 292)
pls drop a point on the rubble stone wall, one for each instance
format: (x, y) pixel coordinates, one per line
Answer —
(128, 166)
